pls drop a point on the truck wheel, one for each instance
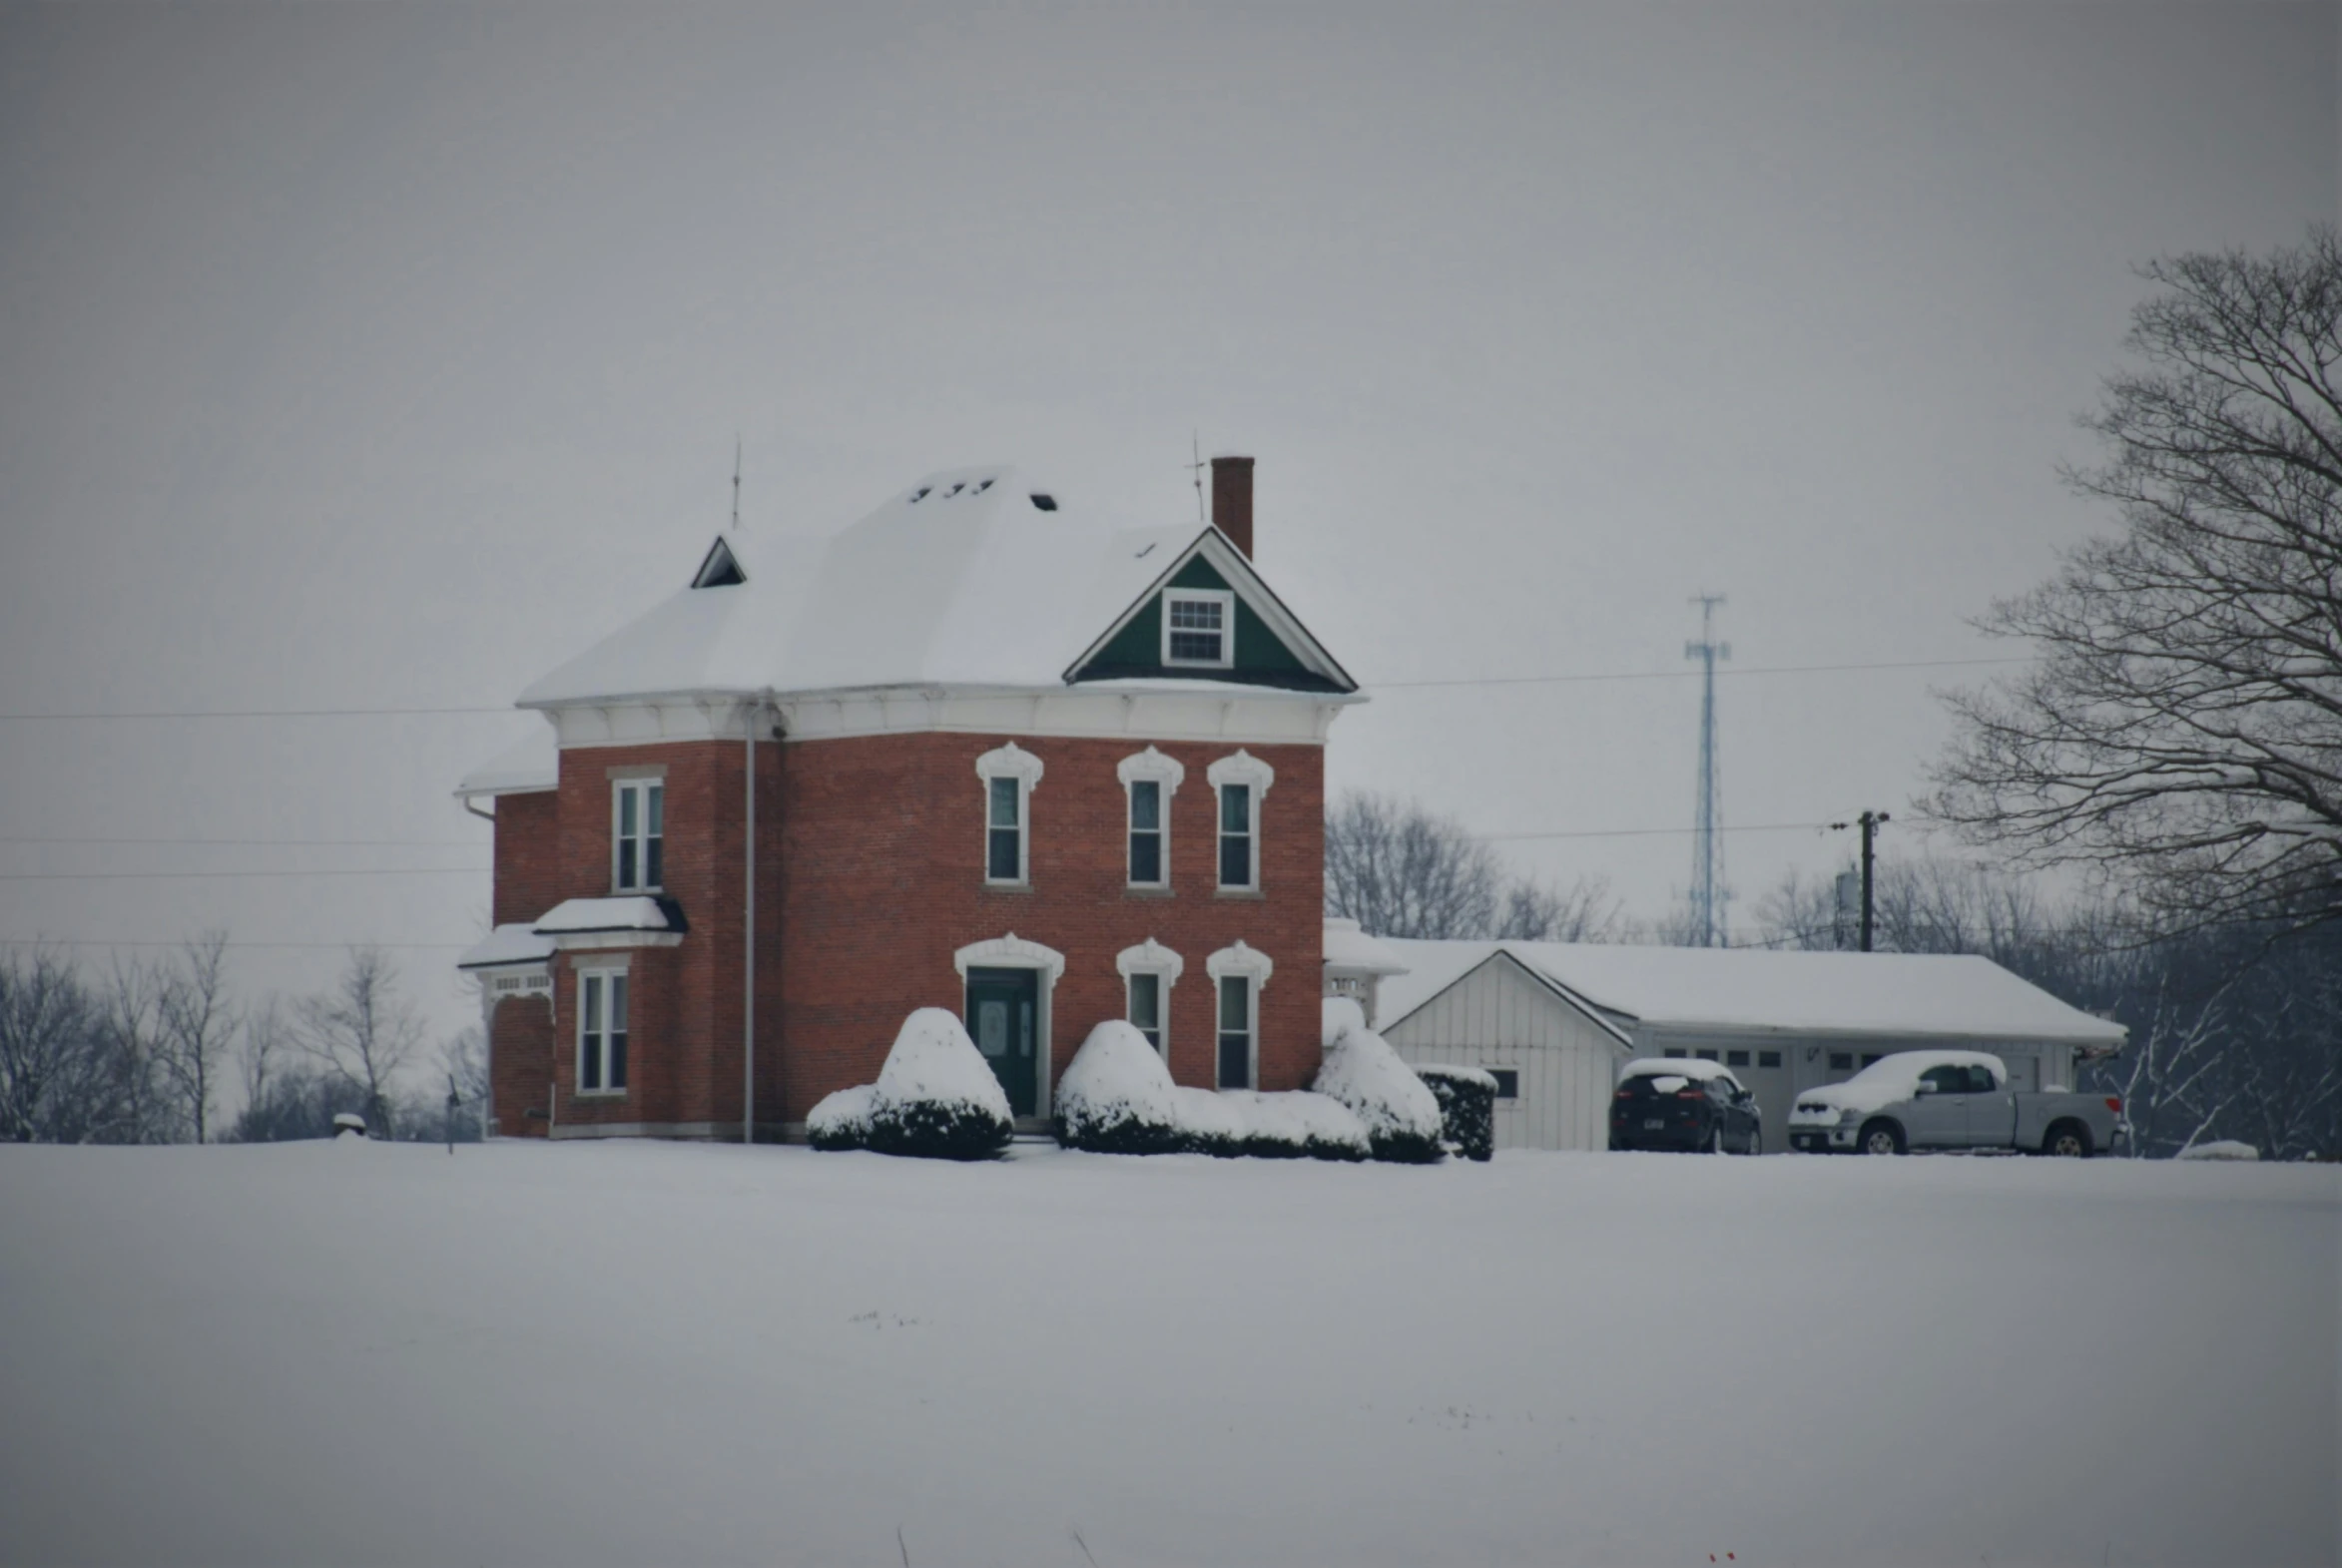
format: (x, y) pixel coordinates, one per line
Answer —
(1756, 1140)
(1716, 1140)
(1880, 1136)
(2067, 1141)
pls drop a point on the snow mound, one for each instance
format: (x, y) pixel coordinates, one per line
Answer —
(1117, 1097)
(1399, 1110)
(2221, 1149)
(937, 1097)
(1339, 1015)
(842, 1120)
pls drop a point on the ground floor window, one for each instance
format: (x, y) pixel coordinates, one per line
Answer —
(1768, 1058)
(1146, 1007)
(1236, 1025)
(1508, 1082)
(601, 1031)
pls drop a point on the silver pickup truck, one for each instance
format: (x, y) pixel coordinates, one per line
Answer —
(1950, 1100)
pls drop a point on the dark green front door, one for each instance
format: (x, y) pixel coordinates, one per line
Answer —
(1003, 1017)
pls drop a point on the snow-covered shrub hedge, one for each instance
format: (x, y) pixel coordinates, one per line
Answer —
(1117, 1097)
(1296, 1125)
(1328, 1131)
(937, 1097)
(1400, 1114)
(842, 1120)
(1467, 1108)
(1210, 1122)
(2222, 1148)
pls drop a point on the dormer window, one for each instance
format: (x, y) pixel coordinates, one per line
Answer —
(720, 569)
(1199, 628)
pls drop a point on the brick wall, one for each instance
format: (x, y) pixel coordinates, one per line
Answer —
(520, 1064)
(883, 852)
(871, 876)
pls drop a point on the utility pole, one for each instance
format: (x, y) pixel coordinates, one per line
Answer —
(1707, 853)
(1870, 822)
(735, 481)
(1195, 469)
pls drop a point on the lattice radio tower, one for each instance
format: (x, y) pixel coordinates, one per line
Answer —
(1707, 849)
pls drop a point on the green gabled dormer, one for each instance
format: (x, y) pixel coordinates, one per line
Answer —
(1210, 617)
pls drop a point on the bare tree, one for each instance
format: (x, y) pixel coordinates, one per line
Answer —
(197, 1025)
(130, 1028)
(465, 1056)
(2183, 725)
(55, 1083)
(1400, 870)
(361, 1033)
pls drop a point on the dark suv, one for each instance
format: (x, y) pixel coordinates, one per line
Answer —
(1684, 1104)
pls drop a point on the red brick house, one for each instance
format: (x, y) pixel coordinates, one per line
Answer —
(976, 752)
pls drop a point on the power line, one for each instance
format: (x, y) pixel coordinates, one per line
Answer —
(148, 876)
(247, 843)
(92, 941)
(1646, 833)
(1684, 675)
(270, 713)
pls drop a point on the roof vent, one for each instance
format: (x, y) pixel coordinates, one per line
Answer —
(920, 494)
(1045, 503)
(981, 488)
(955, 491)
(720, 569)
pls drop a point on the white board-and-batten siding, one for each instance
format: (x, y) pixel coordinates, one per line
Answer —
(1498, 1017)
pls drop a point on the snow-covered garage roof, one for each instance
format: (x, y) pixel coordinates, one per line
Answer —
(1748, 988)
(974, 577)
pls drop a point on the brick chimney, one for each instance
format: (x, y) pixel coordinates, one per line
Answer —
(1232, 501)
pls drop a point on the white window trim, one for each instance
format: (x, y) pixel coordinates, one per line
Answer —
(1254, 965)
(1168, 771)
(1014, 952)
(1009, 761)
(1152, 957)
(1240, 768)
(643, 784)
(1226, 599)
(605, 973)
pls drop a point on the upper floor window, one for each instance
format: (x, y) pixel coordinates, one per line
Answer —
(1150, 779)
(1199, 627)
(638, 836)
(1009, 774)
(1239, 781)
(601, 1031)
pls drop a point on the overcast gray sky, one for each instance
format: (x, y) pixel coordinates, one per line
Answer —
(383, 356)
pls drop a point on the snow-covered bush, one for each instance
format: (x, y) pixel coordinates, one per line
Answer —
(1329, 1130)
(1467, 1108)
(348, 1124)
(937, 1097)
(842, 1120)
(1210, 1122)
(1400, 1114)
(1117, 1097)
(1338, 1017)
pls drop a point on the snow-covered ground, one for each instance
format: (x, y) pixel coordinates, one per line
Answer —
(640, 1354)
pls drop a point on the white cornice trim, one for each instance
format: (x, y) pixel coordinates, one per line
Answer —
(1010, 761)
(1240, 959)
(1168, 771)
(1243, 768)
(1174, 710)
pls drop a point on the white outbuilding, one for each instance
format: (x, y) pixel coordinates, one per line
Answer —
(1554, 1021)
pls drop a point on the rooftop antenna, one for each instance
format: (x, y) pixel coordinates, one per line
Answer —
(1707, 853)
(735, 481)
(1195, 450)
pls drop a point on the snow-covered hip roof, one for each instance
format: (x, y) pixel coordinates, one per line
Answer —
(1746, 988)
(972, 578)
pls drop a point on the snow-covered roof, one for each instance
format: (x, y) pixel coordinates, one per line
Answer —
(1748, 988)
(962, 580)
(573, 915)
(507, 944)
(1676, 1067)
(528, 765)
(1350, 949)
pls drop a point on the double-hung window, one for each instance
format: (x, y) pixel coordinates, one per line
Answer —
(1199, 628)
(1009, 773)
(1238, 783)
(1148, 972)
(1236, 1016)
(1149, 780)
(601, 1031)
(1005, 831)
(1238, 972)
(1146, 1007)
(638, 836)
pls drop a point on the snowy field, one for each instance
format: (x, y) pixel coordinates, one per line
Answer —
(639, 1354)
